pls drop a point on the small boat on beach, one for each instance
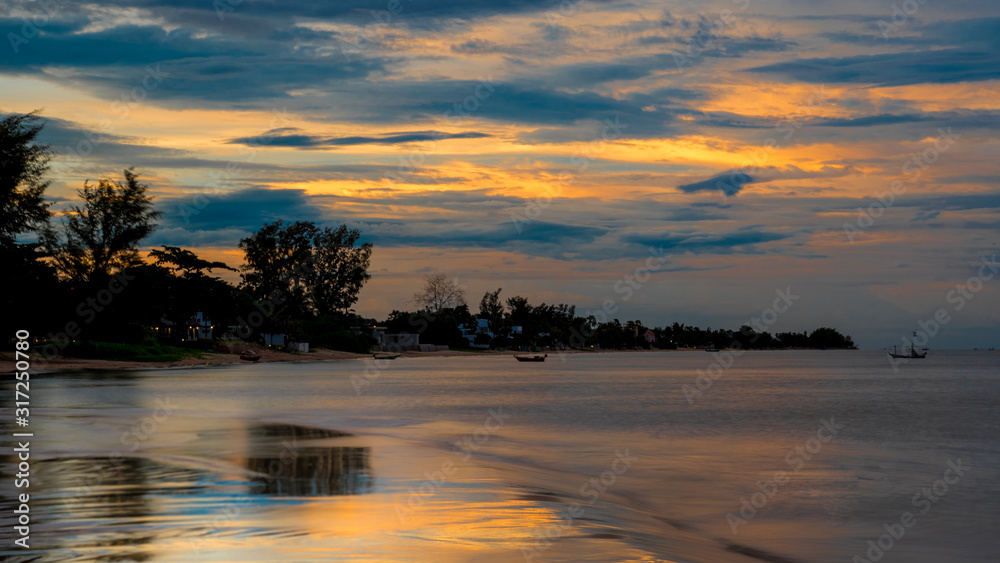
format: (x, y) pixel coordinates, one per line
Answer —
(249, 356)
(903, 353)
(532, 358)
(386, 356)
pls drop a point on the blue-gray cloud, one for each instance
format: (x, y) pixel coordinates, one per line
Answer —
(896, 69)
(229, 216)
(980, 33)
(276, 138)
(240, 210)
(743, 241)
(502, 236)
(874, 120)
(971, 179)
(956, 202)
(950, 51)
(729, 183)
(689, 214)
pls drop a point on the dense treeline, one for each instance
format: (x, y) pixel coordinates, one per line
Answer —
(516, 324)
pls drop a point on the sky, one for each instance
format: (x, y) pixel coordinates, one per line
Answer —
(662, 161)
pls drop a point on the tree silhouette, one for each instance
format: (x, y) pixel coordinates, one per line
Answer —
(102, 237)
(313, 270)
(23, 164)
(440, 293)
(185, 261)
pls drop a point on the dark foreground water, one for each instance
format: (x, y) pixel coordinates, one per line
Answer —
(787, 456)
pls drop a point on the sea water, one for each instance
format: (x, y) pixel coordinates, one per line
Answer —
(778, 456)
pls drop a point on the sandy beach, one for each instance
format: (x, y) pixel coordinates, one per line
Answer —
(59, 363)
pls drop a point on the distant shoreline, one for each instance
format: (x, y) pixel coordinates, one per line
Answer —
(60, 364)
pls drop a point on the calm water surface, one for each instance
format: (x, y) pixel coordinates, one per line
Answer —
(599, 457)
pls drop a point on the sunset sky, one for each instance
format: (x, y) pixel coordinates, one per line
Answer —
(550, 149)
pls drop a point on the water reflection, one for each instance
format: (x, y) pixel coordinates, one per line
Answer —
(312, 472)
(305, 471)
(88, 507)
(117, 503)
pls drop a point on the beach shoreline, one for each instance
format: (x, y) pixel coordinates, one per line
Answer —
(61, 364)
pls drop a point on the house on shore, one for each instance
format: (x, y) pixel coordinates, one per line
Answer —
(650, 336)
(199, 327)
(390, 341)
(166, 329)
(471, 332)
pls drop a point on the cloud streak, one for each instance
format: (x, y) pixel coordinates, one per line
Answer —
(278, 138)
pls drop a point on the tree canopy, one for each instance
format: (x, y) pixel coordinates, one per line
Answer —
(491, 309)
(439, 293)
(315, 270)
(23, 164)
(183, 260)
(102, 237)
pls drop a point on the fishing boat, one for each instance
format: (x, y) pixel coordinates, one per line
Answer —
(249, 355)
(903, 353)
(532, 358)
(386, 356)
